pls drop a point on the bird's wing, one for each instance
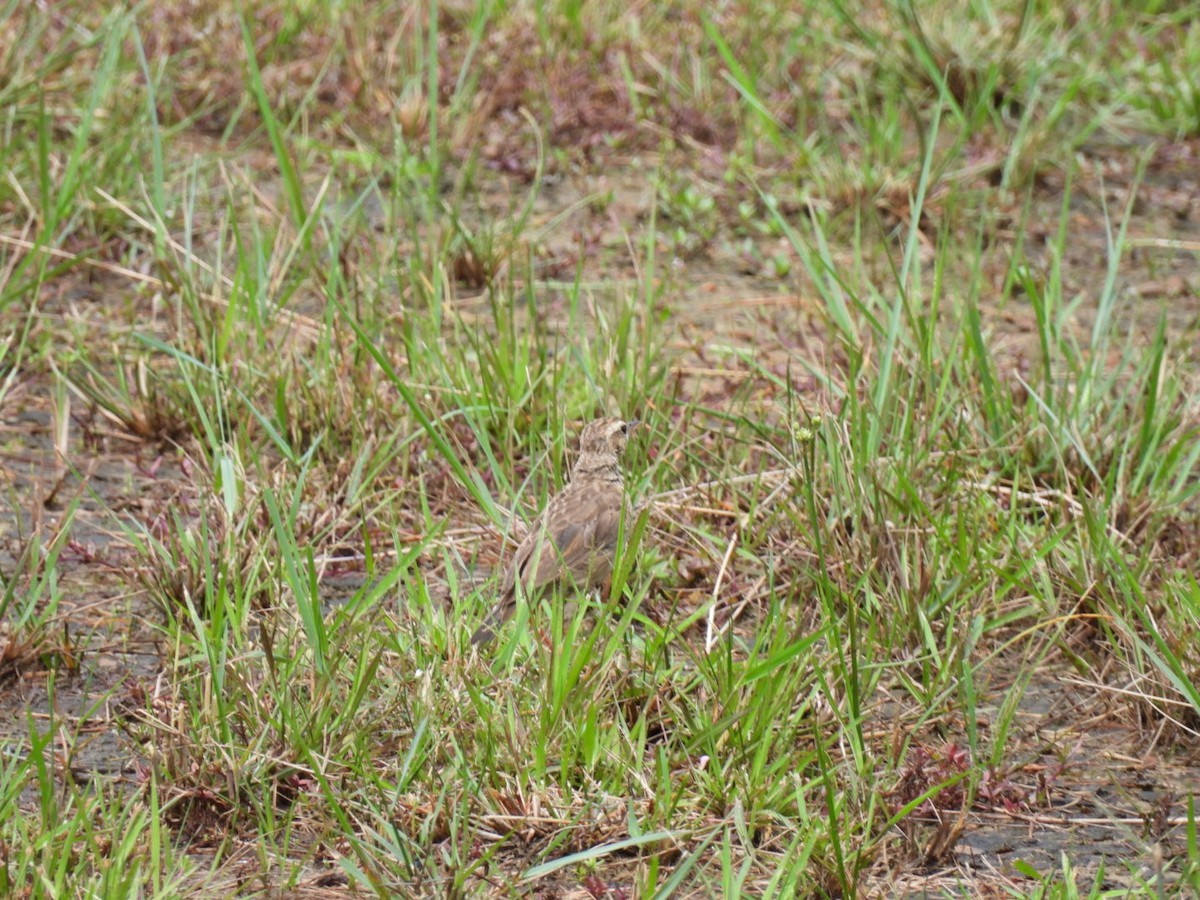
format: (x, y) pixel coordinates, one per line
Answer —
(576, 534)
(577, 539)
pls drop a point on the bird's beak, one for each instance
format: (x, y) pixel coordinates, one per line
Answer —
(632, 424)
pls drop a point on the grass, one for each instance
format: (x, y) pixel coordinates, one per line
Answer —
(301, 310)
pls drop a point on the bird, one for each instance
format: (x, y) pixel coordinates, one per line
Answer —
(574, 539)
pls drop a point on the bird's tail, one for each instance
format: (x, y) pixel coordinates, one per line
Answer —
(486, 633)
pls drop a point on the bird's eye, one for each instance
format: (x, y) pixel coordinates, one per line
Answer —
(624, 428)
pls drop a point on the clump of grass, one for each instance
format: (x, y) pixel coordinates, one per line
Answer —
(137, 399)
(81, 841)
(30, 595)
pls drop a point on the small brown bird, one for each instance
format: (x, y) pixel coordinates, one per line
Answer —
(575, 537)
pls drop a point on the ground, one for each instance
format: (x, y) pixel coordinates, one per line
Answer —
(302, 308)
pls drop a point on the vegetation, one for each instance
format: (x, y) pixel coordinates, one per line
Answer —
(302, 307)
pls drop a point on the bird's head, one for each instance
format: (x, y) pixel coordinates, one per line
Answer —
(602, 441)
